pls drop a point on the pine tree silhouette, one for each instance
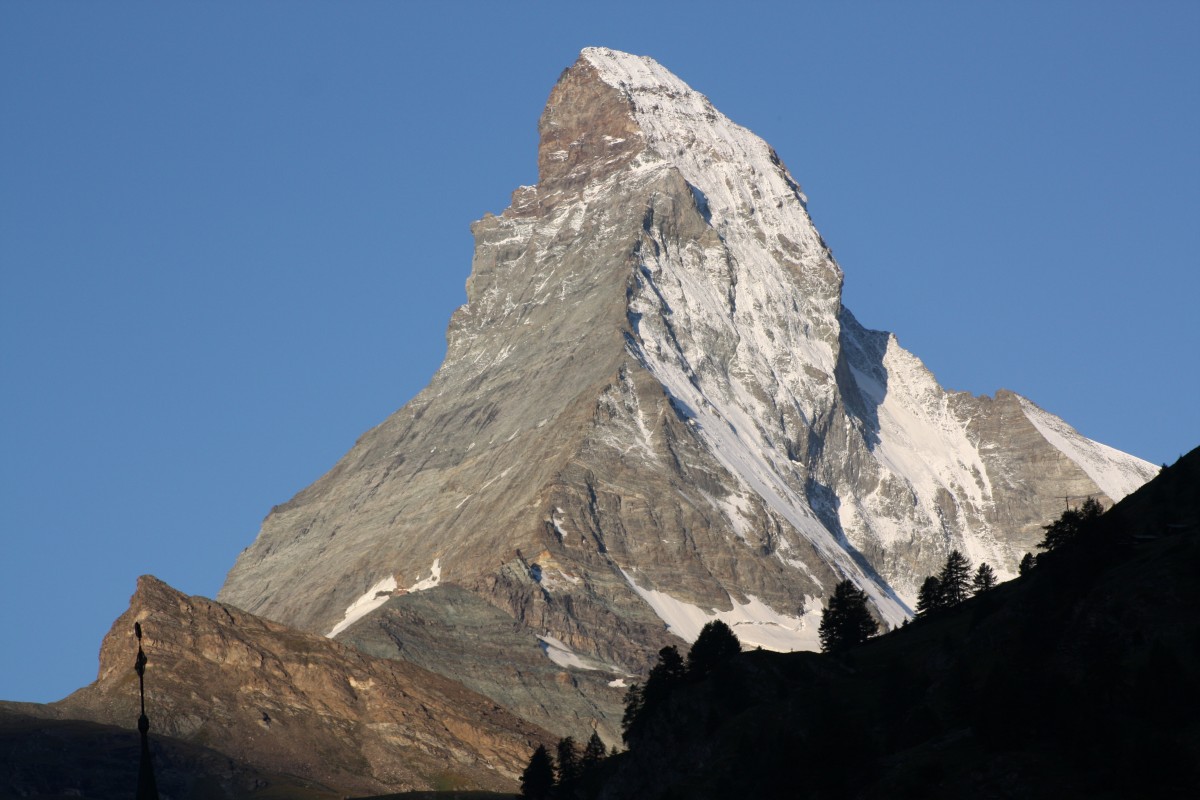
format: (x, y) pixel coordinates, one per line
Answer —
(593, 753)
(985, 578)
(537, 781)
(1070, 525)
(929, 597)
(630, 720)
(568, 762)
(716, 643)
(846, 621)
(641, 702)
(955, 578)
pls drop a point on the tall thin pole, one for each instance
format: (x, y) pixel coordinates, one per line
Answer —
(147, 788)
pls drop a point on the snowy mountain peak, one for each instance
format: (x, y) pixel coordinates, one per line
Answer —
(738, 180)
(655, 411)
(736, 175)
(683, 127)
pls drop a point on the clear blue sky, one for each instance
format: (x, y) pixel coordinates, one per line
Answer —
(231, 235)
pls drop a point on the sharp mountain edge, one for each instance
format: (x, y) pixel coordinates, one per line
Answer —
(654, 411)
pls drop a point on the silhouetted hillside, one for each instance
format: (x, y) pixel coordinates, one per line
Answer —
(1078, 680)
(55, 758)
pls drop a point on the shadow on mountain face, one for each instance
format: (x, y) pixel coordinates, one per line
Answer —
(825, 503)
(1080, 679)
(53, 758)
(448, 795)
(861, 377)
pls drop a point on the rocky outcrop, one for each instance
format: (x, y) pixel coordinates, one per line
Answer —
(297, 703)
(654, 411)
(538, 679)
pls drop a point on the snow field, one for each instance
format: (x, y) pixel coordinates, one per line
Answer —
(755, 623)
(378, 594)
(370, 600)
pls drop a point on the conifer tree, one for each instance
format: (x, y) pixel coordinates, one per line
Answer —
(630, 726)
(846, 621)
(664, 677)
(955, 578)
(1027, 564)
(569, 766)
(593, 753)
(537, 781)
(716, 644)
(642, 701)
(929, 597)
(985, 578)
(1070, 525)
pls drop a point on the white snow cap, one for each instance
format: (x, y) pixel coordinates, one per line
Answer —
(734, 169)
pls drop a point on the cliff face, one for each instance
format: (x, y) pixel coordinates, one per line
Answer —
(296, 703)
(654, 411)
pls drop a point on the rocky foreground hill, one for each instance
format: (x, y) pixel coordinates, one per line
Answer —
(303, 710)
(654, 411)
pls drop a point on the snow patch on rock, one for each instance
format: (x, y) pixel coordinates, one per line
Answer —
(370, 600)
(564, 656)
(755, 623)
(435, 577)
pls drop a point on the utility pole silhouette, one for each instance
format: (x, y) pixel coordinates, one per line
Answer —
(147, 788)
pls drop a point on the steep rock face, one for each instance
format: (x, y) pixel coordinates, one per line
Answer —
(297, 703)
(496, 655)
(654, 411)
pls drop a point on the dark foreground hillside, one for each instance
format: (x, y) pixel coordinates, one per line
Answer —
(51, 758)
(1081, 679)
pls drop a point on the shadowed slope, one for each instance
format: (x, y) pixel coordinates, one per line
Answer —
(52, 758)
(1077, 680)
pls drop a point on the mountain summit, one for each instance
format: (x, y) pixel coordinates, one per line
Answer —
(654, 412)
